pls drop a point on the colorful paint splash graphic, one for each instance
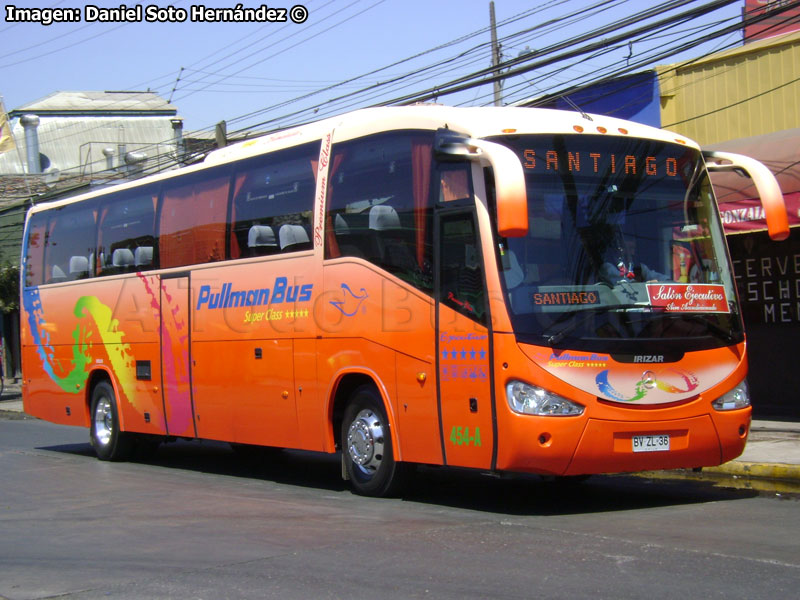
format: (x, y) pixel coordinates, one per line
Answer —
(96, 320)
(643, 386)
(93, 316)
(175, 357)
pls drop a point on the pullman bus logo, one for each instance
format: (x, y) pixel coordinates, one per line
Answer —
(227, 297)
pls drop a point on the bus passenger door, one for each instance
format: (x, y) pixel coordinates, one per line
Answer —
(462, 344)
(176, 377)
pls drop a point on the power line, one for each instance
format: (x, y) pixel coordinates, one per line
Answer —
(442, 46)
(571, 50)
(666, 53)
(286, 49)
(485, 76)
(737, 103)
(648, 13)
(520, 16)
(419, 72)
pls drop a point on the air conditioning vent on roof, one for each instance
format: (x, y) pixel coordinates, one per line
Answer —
(51, 176)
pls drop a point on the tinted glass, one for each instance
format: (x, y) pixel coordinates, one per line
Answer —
(273, 202)
(192, 220)
(461, 267)
(126, 235)
(379, 204)
(34, 250)
(70, 243)
(624, 246)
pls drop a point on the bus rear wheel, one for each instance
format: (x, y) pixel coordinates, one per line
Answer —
(367, 446)
(104, 433)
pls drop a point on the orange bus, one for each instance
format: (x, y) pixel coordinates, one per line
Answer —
(503, 289)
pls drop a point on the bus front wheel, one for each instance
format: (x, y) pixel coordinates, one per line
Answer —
(367, 446)
(108, 441)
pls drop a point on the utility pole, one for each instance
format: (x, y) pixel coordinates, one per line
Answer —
(498, 98)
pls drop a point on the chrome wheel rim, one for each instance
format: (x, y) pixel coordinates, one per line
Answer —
(103, 421)
(365, 441)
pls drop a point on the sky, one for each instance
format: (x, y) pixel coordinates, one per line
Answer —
(248, 74)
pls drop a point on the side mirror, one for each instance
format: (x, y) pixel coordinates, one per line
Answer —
(767, 187)
(509, 178)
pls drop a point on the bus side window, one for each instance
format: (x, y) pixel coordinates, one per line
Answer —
(461, 273)
(34, 262)
(192, 219)
(126, 232)
(273, 202)
(379, 206)
(70, 243)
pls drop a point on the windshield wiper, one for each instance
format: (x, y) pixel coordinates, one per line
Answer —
(595, 310)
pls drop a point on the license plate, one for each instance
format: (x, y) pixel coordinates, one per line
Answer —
(650, 443)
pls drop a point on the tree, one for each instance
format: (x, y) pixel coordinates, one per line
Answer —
(9, 288)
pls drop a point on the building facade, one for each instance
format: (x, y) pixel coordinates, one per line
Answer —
(64, 144)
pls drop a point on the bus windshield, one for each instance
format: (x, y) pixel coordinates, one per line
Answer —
(624, 249)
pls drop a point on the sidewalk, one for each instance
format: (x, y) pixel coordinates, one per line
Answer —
(11, 400)
(772, 451)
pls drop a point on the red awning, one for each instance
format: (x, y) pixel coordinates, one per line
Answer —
(738, 201)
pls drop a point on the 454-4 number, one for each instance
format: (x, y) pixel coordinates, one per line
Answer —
(462, 436)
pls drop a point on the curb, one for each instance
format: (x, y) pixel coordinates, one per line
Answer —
(777, 478)
(777, 471)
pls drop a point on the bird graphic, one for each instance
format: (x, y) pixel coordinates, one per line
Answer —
(352, 301)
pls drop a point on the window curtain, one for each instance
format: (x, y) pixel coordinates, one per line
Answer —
(239, 181)
(193, 223)
(421, 152)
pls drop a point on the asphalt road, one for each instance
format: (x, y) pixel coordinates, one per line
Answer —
(196, 521)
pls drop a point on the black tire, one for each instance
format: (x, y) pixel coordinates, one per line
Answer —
(108, 441)
(367, 447)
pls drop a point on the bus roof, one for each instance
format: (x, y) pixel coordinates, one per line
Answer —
(477, 122)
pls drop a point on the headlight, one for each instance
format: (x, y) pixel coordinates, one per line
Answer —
(531, 400)
(738, 397)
